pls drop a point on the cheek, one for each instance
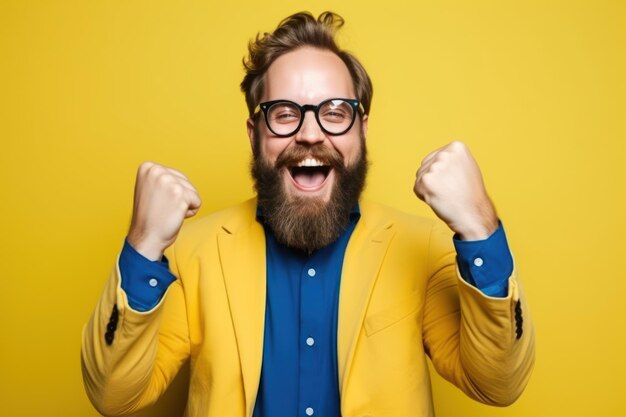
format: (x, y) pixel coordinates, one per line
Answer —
(350, 149)
(272, 148)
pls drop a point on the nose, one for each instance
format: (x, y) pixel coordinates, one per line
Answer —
(310, 132)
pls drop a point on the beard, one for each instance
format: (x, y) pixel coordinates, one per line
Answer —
(308, 223)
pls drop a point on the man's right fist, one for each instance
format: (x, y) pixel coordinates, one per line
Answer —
(164, 198)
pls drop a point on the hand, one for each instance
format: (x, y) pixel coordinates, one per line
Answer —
(449, 181)
(163, 199)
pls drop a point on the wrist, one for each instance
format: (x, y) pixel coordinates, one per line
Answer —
(145, 246)
(476, 234)
(478, 230)
(479, 226)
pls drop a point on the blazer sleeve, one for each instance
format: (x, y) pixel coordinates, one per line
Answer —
(129, 357)
(483, 345)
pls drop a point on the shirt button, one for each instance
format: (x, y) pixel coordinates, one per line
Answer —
(310, 341)
(309, 411)
(311, 272)
(478, 261)
(153, 282)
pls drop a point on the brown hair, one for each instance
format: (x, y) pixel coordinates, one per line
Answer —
(298, 30)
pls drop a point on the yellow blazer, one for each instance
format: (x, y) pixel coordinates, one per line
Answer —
(401, 299)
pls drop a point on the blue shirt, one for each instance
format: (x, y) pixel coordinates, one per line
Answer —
(299, 373)
(299, 369)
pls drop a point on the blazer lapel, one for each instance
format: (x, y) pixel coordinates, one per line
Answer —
(242, 256)
(363, 258)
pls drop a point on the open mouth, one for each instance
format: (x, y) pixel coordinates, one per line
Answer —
(309, 174)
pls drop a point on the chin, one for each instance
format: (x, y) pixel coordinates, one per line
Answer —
(306, 195)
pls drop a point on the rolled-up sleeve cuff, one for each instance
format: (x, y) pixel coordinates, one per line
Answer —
(486, 264)
(144, 281)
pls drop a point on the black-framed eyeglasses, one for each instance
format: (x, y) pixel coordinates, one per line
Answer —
(335, 116)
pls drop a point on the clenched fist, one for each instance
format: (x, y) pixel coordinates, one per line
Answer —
(163, 199)
(449, 181)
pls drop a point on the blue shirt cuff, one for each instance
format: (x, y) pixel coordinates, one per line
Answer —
(144, 281)
(486, 264)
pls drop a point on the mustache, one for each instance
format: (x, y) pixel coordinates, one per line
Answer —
(292, 155)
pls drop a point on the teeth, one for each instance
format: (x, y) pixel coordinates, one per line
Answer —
(310, 162)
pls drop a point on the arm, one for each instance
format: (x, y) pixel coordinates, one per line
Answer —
(483, 344)
(475, 341)
(130, 356)
(131, 369)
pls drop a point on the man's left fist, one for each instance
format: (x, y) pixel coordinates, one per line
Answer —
(449, 181)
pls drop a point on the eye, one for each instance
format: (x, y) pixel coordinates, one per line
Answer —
(284, 113)
(336, 111)
(335, 115)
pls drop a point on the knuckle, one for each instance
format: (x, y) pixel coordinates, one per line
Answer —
(177, 190)
(427, 180)
(162, 177)
(458, 146)
(442, 157)
(435, 166)
(158, 175)
(145, 167)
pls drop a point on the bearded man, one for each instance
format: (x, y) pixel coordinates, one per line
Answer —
(308, 301)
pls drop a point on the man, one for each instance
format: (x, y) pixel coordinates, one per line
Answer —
(307, 301)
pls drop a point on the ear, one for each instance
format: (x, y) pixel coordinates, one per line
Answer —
(364, 121)
(250, 129)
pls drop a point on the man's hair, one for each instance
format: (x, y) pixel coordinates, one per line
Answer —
(296, 31)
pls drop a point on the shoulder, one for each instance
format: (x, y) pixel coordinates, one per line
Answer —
(408, 229)
(233, 216)
(377, 214)
(414, 241)
(228, 220)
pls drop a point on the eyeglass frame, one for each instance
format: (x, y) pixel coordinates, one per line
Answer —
(266, 105)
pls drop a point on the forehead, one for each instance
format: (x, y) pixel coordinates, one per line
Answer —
(308, 76)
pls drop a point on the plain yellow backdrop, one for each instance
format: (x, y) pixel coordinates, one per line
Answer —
(537, 89)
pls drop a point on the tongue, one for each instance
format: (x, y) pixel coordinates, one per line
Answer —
(309, 179)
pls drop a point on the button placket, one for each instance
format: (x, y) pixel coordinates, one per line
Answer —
(311, 295)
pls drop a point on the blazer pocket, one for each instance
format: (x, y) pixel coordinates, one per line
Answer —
(401, 309)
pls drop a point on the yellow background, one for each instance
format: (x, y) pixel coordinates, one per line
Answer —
(89, 89)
